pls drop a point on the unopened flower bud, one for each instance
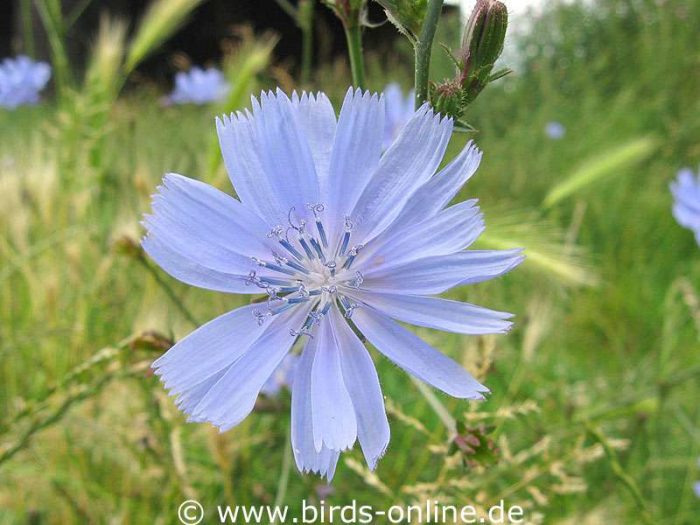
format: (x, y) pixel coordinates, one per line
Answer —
(484, 36)
(446, 98)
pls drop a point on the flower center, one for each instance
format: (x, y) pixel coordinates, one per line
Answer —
(307, 269)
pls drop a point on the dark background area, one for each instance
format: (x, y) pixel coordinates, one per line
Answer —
(200, 38)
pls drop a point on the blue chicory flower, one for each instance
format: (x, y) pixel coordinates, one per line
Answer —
(555, 130)
(199, 86)
(21, 81)
(399, 110)
(696, 488)
(686, 205)
(334, 232)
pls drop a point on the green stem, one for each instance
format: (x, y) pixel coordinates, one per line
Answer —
(353, 34)
(621, 474)
(306, 24)
(52, 19)
(27, 28)
(422, 50)
(286, 469)
(288, 8)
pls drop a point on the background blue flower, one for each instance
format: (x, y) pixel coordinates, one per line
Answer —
(399, 110)
(555, 130)
(199, 86)
(686, 201)
(21, 81)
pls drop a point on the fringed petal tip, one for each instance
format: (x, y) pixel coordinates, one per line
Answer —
(429, 111)
(308, 96)
(322, 464)
(364, 94)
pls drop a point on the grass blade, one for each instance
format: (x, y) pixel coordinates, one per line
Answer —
(601, 166)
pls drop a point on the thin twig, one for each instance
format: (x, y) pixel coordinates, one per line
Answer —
(177, 302)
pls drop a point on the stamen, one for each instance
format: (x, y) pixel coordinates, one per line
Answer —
(331, 266)
(277, 231)
(319, 250)
(273, 281)
(347, 305)
(306, 327)
(252, 278)
(261, 317)
(302, 222)
(329, 289)
(272, 295)
(280, 308)
(346, 236)
(283, 260)
(291, 249)
(283, 238)
(317, 209)
(351, 256)
(273, 267)
(306, 247)
(357, 281)
(299, 333)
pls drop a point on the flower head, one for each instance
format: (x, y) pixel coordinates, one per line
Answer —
(399, 110)
(21, 80)
(686, 197)
(555, 130)
(199, 86)
(338, 235)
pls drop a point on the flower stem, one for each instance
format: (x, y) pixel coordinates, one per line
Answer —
(27, 28)
(305, 21)
(422, 50)
(169, 291)
(353, 34)
(286, 468)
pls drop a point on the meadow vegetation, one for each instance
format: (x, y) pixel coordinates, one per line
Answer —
(593, 416)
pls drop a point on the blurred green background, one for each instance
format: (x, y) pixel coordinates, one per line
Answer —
(594, 415)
